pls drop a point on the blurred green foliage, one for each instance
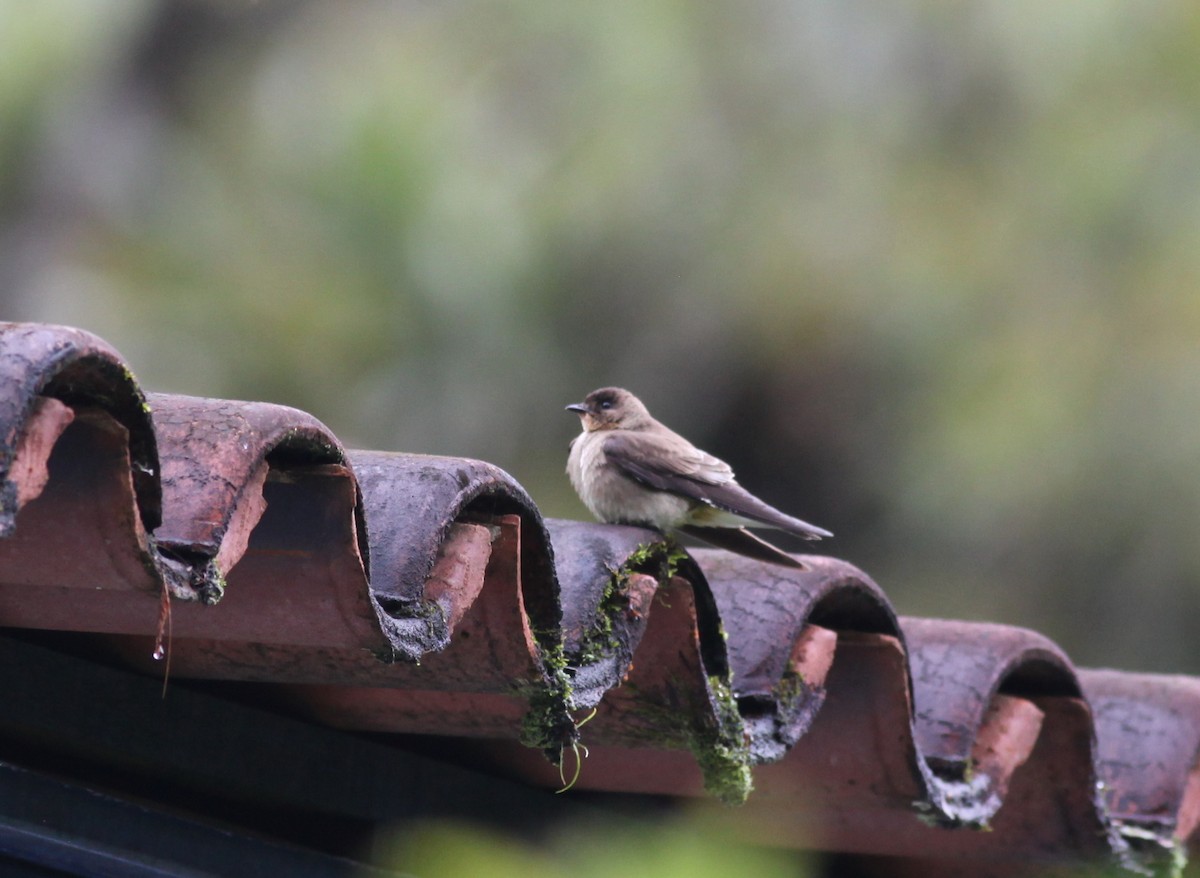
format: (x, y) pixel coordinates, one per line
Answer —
(924, 274)
(681, 848)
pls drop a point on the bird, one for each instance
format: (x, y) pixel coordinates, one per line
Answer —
(629, 468)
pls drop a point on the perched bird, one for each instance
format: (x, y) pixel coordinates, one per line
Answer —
(630, 469)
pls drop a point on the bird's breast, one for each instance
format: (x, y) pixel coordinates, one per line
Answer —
(584, 465)
(612, 496)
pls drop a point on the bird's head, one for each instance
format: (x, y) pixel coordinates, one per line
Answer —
(611, 408)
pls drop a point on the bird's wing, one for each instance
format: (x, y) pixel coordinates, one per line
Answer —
(671, 463)
(666, 461)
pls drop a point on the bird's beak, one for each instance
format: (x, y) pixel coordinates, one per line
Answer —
(578, 407)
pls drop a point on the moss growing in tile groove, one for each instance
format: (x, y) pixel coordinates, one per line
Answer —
(658, 559)
(791, 689)
(723, 753)
(713, 732)
(547, 724)
(601, 640)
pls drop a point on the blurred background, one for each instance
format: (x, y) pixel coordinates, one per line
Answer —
(925, 274)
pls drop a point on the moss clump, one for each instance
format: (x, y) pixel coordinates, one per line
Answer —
(547, 724)
(601, 639)
(721, 750)
(659, 559)
(791, 690)
(713, 732)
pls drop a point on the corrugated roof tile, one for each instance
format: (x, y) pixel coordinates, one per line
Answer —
(391, 592)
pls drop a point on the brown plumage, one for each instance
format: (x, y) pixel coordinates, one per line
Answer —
(629, 468)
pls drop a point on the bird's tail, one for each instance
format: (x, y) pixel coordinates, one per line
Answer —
(742, 542)
(732, 505)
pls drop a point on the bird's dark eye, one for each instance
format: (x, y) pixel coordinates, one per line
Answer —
(606, 404)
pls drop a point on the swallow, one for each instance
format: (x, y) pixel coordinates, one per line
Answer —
(629, 468)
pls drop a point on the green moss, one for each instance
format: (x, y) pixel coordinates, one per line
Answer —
(547, 724)
(791, 690)
(721, 751)
(601, 639)
(658, 559)
(712, 731)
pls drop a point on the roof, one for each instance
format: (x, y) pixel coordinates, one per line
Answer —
(417, 595)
